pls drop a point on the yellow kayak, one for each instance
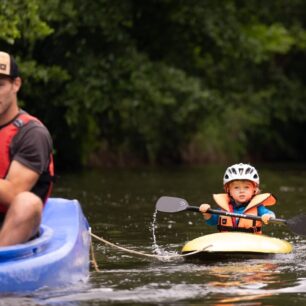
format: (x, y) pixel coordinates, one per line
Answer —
(235, 245)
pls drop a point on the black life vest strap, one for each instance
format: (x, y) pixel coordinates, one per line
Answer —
(46, 177)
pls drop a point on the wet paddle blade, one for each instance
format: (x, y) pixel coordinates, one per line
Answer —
(171, 204)
(297, 224)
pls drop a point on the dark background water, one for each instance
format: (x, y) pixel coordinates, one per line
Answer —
(120, 205)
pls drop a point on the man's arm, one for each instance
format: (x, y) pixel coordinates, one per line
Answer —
(19, 178)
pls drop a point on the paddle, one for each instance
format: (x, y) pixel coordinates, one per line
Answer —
(173, 205)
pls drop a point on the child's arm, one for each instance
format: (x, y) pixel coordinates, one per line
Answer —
(265, 214)
(210, 219)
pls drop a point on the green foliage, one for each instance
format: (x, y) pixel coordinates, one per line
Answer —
(21, 20)
(163, 80)
(265, 41)
(136, 105)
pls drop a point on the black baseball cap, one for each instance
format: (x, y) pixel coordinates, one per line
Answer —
(8, 66)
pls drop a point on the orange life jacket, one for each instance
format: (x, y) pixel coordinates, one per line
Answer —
(7, 133)
(244, 225)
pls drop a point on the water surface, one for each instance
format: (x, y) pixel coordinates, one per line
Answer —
(119, 205)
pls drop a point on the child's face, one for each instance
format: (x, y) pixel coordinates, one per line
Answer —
(242, 191)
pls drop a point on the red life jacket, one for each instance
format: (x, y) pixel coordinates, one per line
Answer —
(244, 225)
(7, 133)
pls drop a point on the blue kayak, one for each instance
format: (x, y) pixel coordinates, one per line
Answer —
(58, 257)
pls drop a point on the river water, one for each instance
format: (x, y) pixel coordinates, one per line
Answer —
(120, 207)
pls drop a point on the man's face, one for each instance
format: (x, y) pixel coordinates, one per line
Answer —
(8, 95)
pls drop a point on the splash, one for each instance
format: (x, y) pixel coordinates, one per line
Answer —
(155, 247)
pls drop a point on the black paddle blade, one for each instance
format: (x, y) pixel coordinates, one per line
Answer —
(171, 204)
(297, 224)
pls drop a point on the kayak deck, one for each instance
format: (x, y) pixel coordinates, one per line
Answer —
(231, 245)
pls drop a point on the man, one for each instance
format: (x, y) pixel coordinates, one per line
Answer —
(26, 163)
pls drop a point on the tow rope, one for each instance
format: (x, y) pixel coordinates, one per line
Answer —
(160, 257)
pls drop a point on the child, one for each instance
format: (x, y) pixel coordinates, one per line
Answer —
(241, 184)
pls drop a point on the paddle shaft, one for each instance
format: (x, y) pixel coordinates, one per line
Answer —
(174, 205)
(230, 214)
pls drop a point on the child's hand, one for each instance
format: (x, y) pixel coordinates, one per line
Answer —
(203, 209)
(265, 218)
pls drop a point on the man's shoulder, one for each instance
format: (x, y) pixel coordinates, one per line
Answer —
(32, 133)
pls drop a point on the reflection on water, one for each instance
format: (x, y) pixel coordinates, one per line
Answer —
(244, 275)
(120, 206)
(169, 291)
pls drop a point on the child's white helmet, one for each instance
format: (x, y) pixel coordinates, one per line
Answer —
(241, 172)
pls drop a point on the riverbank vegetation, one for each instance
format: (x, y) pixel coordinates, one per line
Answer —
(163, 81)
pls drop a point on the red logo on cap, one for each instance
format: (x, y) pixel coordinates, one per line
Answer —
(2, 66)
